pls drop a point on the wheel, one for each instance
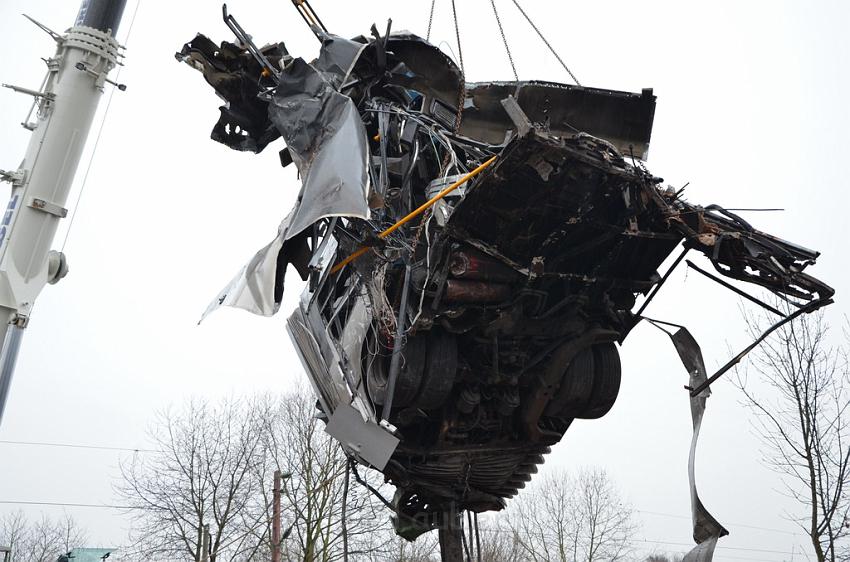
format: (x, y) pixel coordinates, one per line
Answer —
(409, 376)
(576, 387)
(440, 370)
(606, 381)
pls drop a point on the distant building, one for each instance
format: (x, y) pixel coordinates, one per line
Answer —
(90, 554)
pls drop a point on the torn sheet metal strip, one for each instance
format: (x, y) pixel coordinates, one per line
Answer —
(327, 141)
(706, 528)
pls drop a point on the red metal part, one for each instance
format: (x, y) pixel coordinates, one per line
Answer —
(458, 290)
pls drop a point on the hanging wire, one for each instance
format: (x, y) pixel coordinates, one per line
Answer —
(539, 34)
(477, 537)
(430, 20)
(463, 539)
(99, 133)
(504, 39)
(345, 512)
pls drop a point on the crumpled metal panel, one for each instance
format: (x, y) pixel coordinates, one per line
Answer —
(706, 528)
(327, 141)
(252, 289)
(338, 56)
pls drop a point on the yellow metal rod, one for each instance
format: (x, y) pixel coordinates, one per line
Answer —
(413, 214)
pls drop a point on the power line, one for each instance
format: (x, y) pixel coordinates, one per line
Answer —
(719, 546)
(77, 446)
(66, 504)
(673, 543)
(660, 514)
(137, 450)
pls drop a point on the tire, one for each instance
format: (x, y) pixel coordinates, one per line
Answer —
(409, 376)
(440, 370)
(576, 387)
(606, 381)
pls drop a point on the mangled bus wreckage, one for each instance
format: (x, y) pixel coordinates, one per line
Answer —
(465, 337)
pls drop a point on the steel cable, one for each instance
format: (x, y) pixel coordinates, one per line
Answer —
(539, 34)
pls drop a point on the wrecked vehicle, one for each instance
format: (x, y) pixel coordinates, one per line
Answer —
(472, 252)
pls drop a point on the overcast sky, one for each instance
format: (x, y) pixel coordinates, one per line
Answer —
(752, 111)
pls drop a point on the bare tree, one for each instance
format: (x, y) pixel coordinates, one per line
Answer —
(664, 558)
(205, 475)
(424, 549)
(572, 519)
(497, 541)
(327, 519)
(216, 469)
(43, 540)
(801, 406)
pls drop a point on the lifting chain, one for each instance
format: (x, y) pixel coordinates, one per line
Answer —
(462, 92)
(539, 34)
(430, 20)
(504, 39)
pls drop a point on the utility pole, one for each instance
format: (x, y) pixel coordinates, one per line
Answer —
(63, 108)
(451, 540)
(276, 517)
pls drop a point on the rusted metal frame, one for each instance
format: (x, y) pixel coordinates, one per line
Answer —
(592, 280)
(537, 397)
(442, 276)
(663, 280)
(735, 289)
(811, 307)
(500, 448)
(460, 234)
(780, 286)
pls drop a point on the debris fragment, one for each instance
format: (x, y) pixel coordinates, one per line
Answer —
(467, 332)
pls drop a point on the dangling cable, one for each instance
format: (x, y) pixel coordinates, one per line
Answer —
(343, 518)
(430, 20)
(504, 39)
(477, 537)
(539, 34)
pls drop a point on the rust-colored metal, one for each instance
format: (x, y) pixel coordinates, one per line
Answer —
(459, 290)
(475, 265)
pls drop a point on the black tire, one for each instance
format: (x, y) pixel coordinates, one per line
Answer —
(440, 370)
(606, 381)
(409, 376)
(576, 387)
